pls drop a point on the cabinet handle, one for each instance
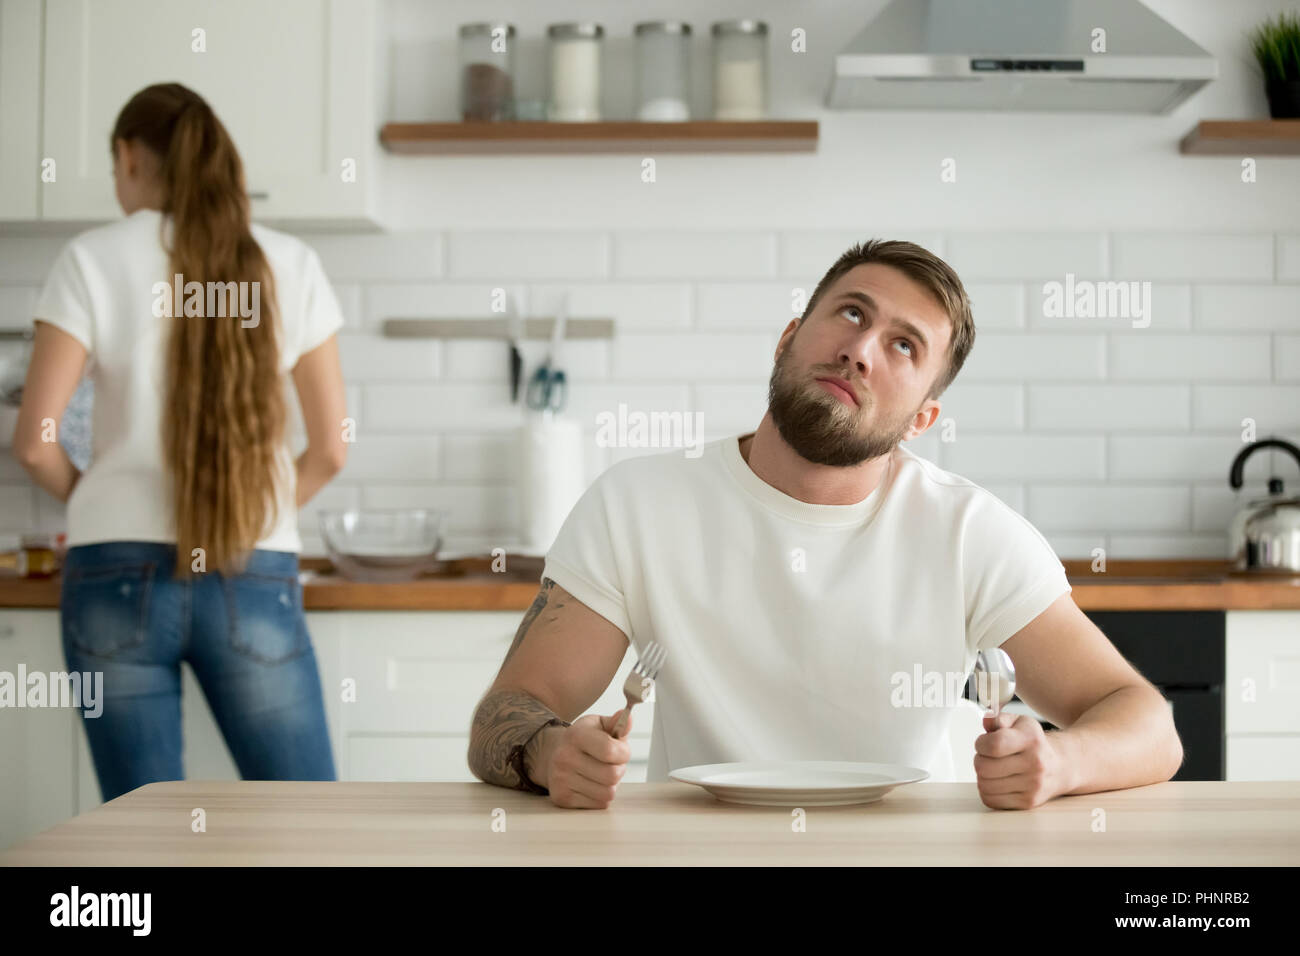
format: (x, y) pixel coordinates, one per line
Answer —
(259, 194)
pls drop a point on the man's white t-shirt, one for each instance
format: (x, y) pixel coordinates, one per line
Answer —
(100, 291)
(792, 629)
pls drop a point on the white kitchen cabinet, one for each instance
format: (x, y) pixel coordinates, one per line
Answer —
(415, 757)
(37, 766)
(400, 691)
(20, 108)
(1259, 757)
(400, 688)
(297, 83)
(326, 632)
(1262, 695)
(418, 678)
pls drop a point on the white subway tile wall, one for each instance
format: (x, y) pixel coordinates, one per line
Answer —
(1105, 432)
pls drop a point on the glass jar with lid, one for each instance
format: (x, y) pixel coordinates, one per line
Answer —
(663, 49)
(575, 72)
(487, 70)
(739, 70)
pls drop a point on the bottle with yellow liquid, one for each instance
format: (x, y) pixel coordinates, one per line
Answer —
(34, 556)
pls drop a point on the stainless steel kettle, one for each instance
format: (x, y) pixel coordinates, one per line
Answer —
(1265, 535)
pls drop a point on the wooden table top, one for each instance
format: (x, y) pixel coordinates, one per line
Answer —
(301, 823)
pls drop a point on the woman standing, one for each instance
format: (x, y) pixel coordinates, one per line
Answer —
(182, 532)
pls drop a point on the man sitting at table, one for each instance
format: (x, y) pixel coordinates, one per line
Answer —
(795, 572)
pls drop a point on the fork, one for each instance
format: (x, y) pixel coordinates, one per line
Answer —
(640, 681)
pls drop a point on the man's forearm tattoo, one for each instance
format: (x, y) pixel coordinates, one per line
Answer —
(504, 720)
(539, 604)
(508, 718)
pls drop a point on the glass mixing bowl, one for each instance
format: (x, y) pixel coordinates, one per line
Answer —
(379, 544)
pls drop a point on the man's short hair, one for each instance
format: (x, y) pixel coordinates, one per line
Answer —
(933, 274)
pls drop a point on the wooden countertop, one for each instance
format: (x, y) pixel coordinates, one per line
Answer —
(470, 585)
(304, 823)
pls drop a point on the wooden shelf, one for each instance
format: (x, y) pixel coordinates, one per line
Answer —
(1243, 138)
(695, 136)
(539, 328)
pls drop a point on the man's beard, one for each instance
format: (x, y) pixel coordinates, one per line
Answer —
(821, 428)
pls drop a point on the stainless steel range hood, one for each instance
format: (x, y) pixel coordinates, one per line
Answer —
(1019, 55)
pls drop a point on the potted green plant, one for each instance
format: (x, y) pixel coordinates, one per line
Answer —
(1276, 45)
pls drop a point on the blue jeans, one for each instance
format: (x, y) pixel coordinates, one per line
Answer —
(123, 612)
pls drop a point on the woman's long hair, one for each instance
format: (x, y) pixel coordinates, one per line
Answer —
(223, 414)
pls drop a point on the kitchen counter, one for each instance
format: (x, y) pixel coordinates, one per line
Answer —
(470, 585)
(305, 823)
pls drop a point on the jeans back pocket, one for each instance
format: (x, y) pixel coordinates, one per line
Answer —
(266, 617)
(105, 610)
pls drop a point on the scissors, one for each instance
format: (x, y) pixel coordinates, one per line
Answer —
(549, 388)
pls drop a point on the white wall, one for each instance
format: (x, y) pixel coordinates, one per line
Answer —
(1101, 434)
(1015, 171)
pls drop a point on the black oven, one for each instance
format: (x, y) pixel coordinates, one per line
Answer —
(1182, 654)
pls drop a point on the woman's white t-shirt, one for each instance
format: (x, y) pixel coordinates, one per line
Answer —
(101, 291)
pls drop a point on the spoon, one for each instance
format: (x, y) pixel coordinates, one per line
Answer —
(995, 679)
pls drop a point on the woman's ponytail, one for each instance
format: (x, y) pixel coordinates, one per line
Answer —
(223, 405)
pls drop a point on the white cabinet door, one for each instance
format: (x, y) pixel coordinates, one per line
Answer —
(1262, 672)
(327, 641)
(295, 83)
(418, 676)
(37, 781)
(400, 690)
(423, 757)
(1261, 695)
(20, 109)
(1263, 757)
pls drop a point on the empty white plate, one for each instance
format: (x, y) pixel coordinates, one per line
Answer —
(790, 783)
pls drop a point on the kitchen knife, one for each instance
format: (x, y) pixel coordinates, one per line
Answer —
(515, 332)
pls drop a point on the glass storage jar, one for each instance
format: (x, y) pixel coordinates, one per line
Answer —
(663, 70)
(487, 70)
(739, 70)
(575, 72)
